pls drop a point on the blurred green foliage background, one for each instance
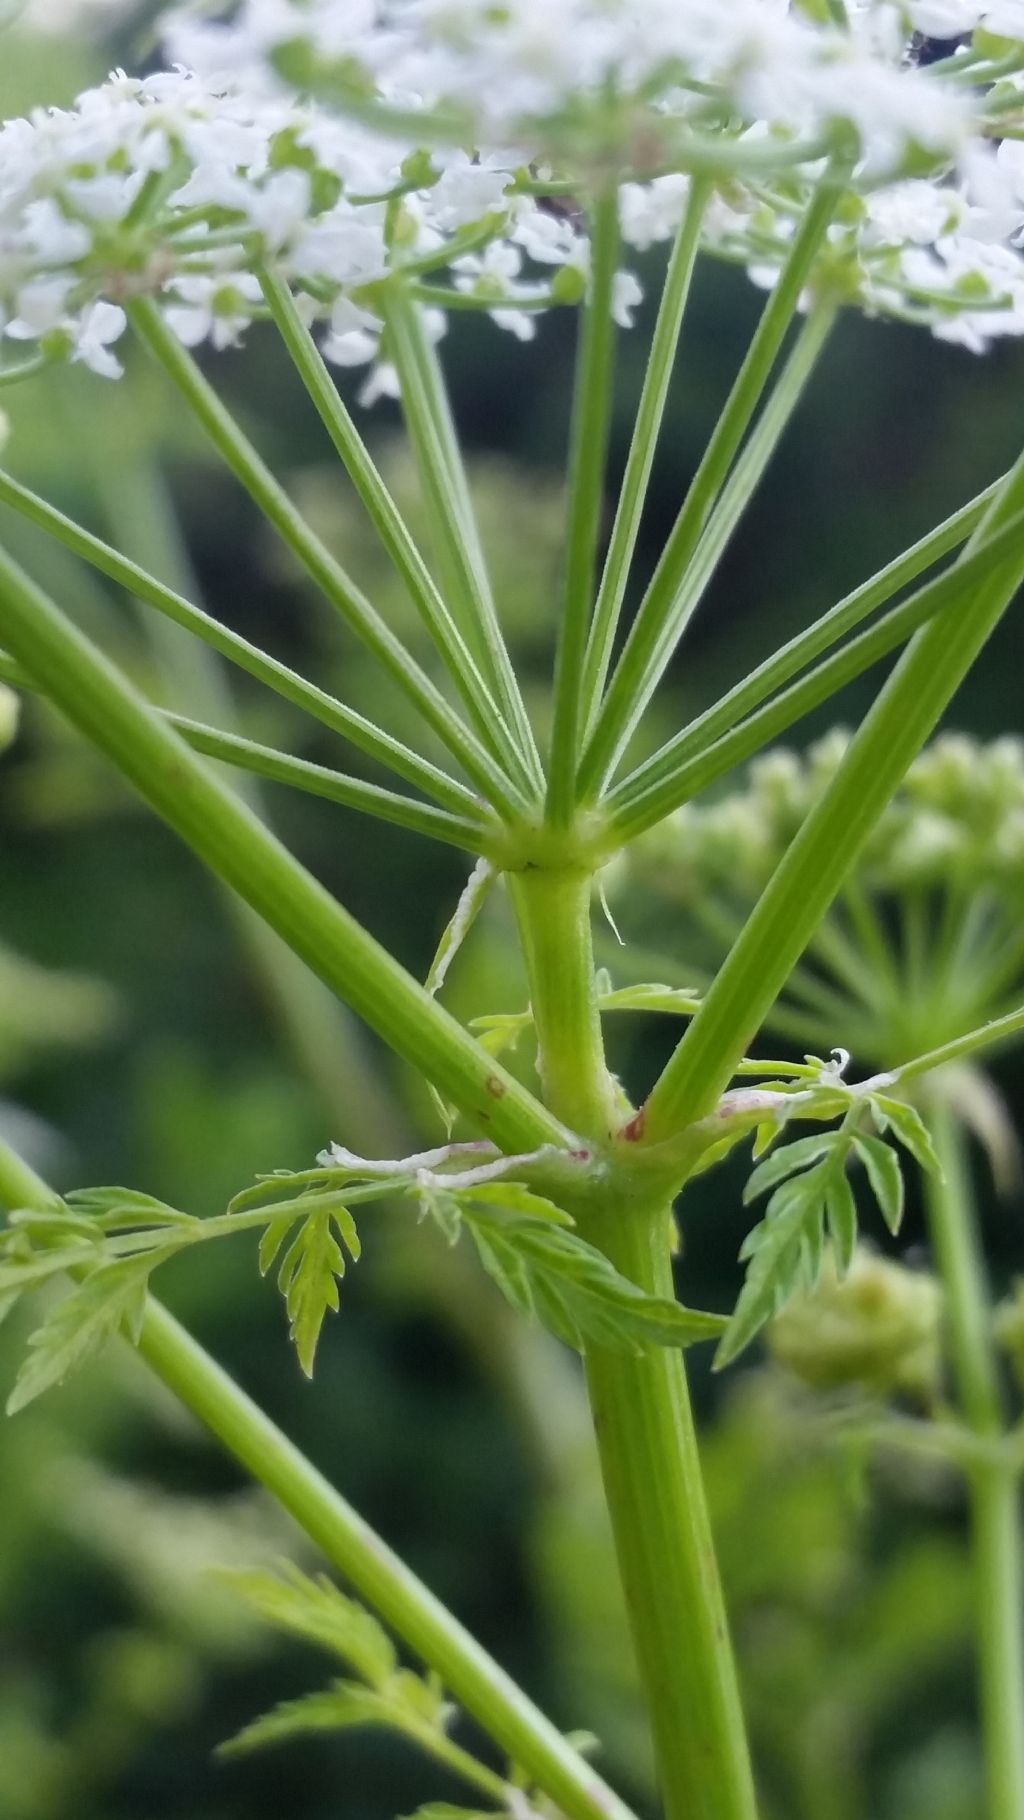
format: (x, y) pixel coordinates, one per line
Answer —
(150, 1034)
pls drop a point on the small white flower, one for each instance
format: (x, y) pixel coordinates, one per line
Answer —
(651, 212)
(99, 326)
(627, 293)
(40, 308)
(468, 188)
(210, 309)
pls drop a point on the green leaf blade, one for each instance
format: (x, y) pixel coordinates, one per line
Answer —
(885, 1176)
(310, 1273)
(320, 1613)
(111, 1300)
(907, 1125)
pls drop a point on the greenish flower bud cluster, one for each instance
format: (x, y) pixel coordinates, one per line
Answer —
(876, 1328)
(959, 816)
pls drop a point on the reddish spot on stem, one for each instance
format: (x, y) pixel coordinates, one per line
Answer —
(495, 1087)
(634, 1131)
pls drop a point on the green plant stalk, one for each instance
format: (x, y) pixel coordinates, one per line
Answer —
(631, 811)
(287, 683)
(247, 755)
(439, 464)
(650, 412)
(471, 836)
(729, 431)
(819, 859)
(802, 649)
(353, 1548)
(998, 1030)
(320, 565)
(654, 1489)
(239, 850)
(732, 503)
(993, 1482)
(588, 453)
(553, 916)
(391, 527)
(642, 1418)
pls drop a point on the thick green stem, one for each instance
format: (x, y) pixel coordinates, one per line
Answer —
(239, 850)
(642, 1418)
(993, 1483)
(353, 1548)
(655, 1494)
(553, 913)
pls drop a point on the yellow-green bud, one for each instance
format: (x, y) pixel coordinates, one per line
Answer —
(877, 1327)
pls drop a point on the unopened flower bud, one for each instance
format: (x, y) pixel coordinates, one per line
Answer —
(876, 1328)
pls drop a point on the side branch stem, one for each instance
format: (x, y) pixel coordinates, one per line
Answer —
(240, 850)
(650, 411)
(292, 687)
(800, 651)
(318, 562)
(391, 527)
(815, 865)
(591, 419)
(463, 568)
(732, 426)
(354, 1549)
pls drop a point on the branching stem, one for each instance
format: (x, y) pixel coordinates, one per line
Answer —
(642, 1418)
(353, 1548)
(239, 850)
(280, 511)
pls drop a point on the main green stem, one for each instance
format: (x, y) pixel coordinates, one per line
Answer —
(641, 1409)
(993, 1482)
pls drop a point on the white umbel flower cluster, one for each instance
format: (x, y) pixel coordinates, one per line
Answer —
(452, 148)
